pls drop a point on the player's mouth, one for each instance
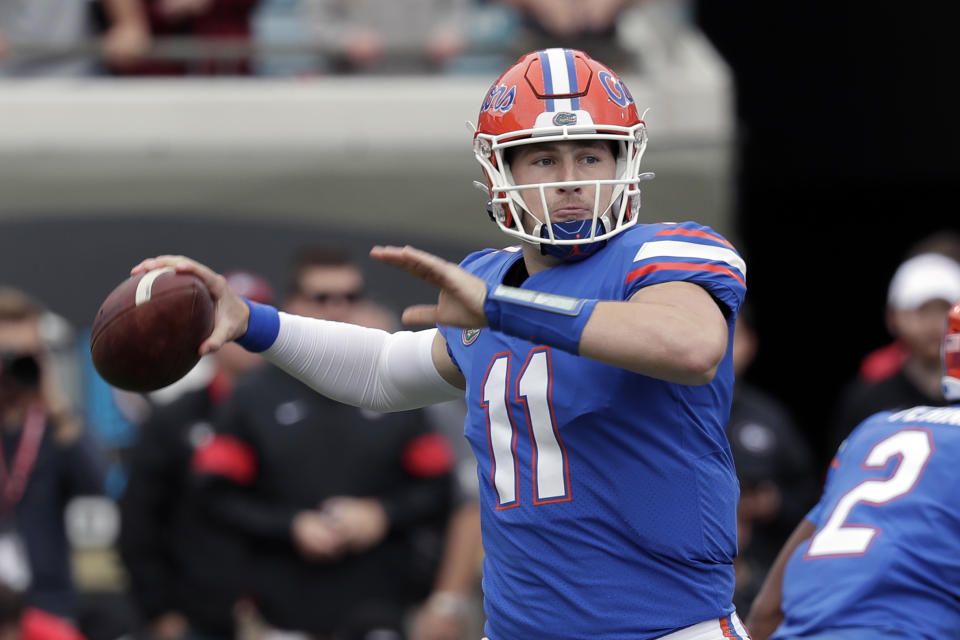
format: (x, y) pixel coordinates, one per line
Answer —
(566, 214)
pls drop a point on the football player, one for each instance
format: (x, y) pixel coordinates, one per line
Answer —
(594, 360)
(879, 556)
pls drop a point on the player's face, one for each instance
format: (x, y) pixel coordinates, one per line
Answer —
(564, 162)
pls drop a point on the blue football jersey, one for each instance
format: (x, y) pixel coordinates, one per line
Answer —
(886, 553)
(608, 497)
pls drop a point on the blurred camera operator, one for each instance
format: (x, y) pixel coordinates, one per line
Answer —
(47, 459)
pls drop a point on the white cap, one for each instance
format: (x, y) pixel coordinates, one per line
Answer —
(929, 276)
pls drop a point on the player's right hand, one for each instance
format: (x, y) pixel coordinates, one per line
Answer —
(232, 313)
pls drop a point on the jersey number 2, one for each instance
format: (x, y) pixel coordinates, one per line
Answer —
(549, 465)
(837, 539)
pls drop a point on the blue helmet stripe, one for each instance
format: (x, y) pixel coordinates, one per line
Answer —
(572, 75)
(547, 79)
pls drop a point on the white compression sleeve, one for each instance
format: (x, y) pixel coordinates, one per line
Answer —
(360, 366)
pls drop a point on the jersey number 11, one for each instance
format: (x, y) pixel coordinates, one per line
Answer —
(549, 465)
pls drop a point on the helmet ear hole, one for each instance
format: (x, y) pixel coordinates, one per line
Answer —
(500, 213)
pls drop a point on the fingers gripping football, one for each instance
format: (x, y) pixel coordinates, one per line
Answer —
(232, 313)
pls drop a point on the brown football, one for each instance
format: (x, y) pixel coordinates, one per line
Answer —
(148, 330)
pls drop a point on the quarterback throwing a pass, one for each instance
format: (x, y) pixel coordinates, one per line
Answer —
(594, 360)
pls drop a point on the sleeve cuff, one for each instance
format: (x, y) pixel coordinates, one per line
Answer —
(262, 328)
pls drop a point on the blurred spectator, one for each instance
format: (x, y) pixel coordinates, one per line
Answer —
(204, 30)
(775, 466)
(48, 38)
(918, 299)
(883, 362)
(376, 36)
(281, 24)
(588, 26)
(183, 569)
(345, 507)
(48, 458)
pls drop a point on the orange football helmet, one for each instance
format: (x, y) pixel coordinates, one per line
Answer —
(553, 95)
(950, 353)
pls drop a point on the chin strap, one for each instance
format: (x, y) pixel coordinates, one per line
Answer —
(573, 230)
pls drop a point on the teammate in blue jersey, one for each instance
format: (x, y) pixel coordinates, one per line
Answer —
(879, 556)
(595, 364)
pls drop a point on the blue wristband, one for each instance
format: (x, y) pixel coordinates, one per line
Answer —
(262, 328)
(543, 318)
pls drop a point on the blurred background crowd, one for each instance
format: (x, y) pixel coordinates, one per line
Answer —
(277, 140)
(298, 37)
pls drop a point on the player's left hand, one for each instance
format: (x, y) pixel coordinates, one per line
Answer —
(462, 294)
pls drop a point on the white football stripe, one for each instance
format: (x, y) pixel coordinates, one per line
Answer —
(674, 249)
(145, 286)
(738, 626)
(560, 78)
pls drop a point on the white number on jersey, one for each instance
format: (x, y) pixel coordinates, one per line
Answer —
(836, 538)
(549, 464)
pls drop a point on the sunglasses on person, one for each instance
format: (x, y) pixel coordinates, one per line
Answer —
(343, 297)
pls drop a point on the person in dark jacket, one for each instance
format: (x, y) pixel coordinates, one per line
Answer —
(185, 571)
(344, 508)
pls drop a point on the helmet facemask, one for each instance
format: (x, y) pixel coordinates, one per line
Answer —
(950, 355)
(611, 215)
(560, 95)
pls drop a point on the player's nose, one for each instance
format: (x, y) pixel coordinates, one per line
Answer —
(568, 173)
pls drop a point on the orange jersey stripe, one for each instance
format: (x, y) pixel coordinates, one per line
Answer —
(727, 631)
(695, 233)
(681, 266)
